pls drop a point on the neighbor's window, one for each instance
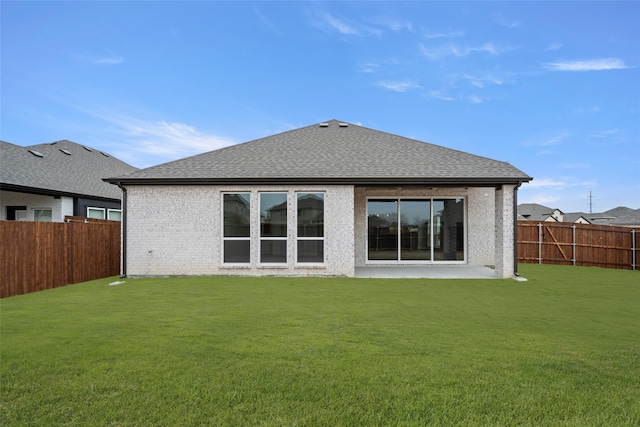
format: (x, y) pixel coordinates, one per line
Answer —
(310, 227)
(97, 213)
(42, 215)
(114, 214)
(273, 227)
(237, 228)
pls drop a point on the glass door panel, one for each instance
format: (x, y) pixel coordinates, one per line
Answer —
(383, 230)
(448, 230)
(415, 229)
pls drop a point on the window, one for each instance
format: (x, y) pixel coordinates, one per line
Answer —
(416, 230)
(310, 227)
(273, 227)
(42, 215)
(236, 237)
(114, 214)
(96, 213)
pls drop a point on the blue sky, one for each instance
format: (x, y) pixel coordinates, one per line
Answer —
(551, 87)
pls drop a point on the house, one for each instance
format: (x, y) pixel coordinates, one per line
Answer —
(536, 212)
(620, 216)
(325, 199)
(47, 182)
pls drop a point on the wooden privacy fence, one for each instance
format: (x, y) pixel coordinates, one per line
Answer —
(578, 244)
(35, 256)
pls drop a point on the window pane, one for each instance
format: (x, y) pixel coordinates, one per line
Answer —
(42, 215)
(273, 215)
(95, 213)
(236, 215)
(415, 229)
(115, 215)
(448, 230)
(383, 229)
(273, 251)
(310, 214)
(237, 251)
(311, 251)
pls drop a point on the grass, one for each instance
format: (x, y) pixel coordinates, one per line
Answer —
(560, 349)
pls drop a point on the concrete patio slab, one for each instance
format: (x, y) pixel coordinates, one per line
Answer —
(427, 272)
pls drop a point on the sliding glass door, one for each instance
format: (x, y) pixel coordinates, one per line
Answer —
(416, 230)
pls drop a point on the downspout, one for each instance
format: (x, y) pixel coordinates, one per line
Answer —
(123, 247)
(515, 229)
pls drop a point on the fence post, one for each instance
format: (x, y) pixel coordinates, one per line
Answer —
(539, 243)
(573, 243)
(633, 249)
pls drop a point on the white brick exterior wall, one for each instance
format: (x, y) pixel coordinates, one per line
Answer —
(177, 230)
(504, 232)
(480, 217)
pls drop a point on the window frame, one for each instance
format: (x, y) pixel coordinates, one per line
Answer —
(432, 199)
(34, 210)
(109, 211)
(262, 238)
(225, 239)
(102, 210)
(299, 239)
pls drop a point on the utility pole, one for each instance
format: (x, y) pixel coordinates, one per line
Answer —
(590, 202)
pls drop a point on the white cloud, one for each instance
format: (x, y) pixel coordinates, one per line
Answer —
(574, 165)
(461, 51)
(475, 99)
(505, 22)
(605, 133)
(170, 139)
(108, 59)
(483, 81)
(554, 46)
(546, 140)
(398, 86)
(588, 65)
(451, 34)
(392, 23)
(558, 184)
(441, 95)
(368, 67)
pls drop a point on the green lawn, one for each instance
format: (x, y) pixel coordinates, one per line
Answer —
(560, 349)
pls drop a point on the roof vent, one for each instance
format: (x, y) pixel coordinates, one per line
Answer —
(343, 125)
(67, 152)
(104, 154)
(36, 153)
(324, 125)
(87, 148)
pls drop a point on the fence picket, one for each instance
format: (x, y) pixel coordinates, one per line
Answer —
(592, 245)
(35, 256)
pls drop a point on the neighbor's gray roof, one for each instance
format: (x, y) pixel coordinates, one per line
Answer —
(79, 173)
(332, 152)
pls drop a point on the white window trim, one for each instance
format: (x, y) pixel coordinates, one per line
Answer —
(398, 261)
(114, 210)
(261, 239)
(224, 239)
(324, 233)
(91, 208)
(33, 213)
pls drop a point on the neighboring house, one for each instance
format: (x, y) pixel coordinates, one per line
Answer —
(47, 182)
(536, 212)
(620, 216)
(320, 200)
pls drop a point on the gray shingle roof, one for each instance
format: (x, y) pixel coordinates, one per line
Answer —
(65, 168)
(332, 151)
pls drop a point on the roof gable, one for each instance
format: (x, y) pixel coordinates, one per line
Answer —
(61, 167)
(332, 151)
